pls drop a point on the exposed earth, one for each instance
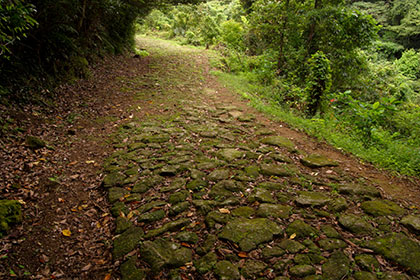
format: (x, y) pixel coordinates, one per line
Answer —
(167, 174)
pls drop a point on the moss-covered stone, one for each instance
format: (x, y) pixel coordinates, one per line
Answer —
(179, 208)
(129, 271)
(197, 184)
(272, 186)
(336, 267)
(207, 245)
(34, 142)
(317, 161)
(301, 229)
(177, 197)
(355, 224)
(230, 155)
(331, 244)
(170, 226)
(270, 252)
(122, 224)
(204, 206)
(118, 208)
(313, 199)
(261, 195)
(395, 276)
(147, 183)
(115, 194)
(127, 242)
(291, 246)
(364, 275)
(252, 171)
(249, 233)
(367, 262)
(398, 248)
(330, 231)
(252, 268)
(214, 217)
(275, 170)
(382, 208)
(412, 222)
(357, 189)
(115, 179)
(274, 210)
(302, 270)
(187, 236)
(206, 263)
(279, 141)
(151, 216)
(161, 253)
(243, 211)
(10, 213)
(338, 204)
(225, 270)
(218, 175)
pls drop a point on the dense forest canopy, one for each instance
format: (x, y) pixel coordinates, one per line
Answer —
(43, 41)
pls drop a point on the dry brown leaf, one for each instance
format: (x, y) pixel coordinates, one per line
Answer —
(224, 211)
(242, 255)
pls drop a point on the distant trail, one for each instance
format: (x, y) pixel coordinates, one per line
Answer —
(204, 187)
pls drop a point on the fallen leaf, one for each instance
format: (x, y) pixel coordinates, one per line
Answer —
(242, 255)
(60, 200)
(185, 245)
(224, 211)
(130, 215)
(66, 232)
(107, 277)
(90, 161)
(292, 236)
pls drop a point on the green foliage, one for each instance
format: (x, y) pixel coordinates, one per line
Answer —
(409, 64)
(15, 21)
(318, 82)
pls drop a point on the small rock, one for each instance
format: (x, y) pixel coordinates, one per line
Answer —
(412, 222)
(115, 179)
(355, 224)
(218, 175)
(302, 270)
(271, 186)
(270, 252)
(34, 142)
(10, 214)
(357, 189)
(336, 267)
(261, 195)
(129, 271)
(291, 246)
(230, 154)
(179, 208)
(313, 199)
(364, 275)
(301, 229)
(331, 244)
(177, 197)
(152, 216)
(127, 242)
(227, 271)
(274, 210)
(317, 161)
(206, 263)
(250, 232)
(367, 262)
(253, 268)
(170, 226)
(243, 211)
(279, 141)
(382, 208)
(115, 194)
(187, 236)
(398, 248)
(122, 224)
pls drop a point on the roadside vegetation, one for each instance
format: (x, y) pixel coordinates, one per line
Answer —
(346, 73)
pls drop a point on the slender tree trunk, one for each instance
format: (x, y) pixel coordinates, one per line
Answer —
(282, 58)
(312, 30)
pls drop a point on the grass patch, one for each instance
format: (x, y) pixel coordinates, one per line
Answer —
(396, 156)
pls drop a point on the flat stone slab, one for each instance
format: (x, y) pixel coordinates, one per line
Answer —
(382, 208)
(357, 189)
(230, 154)
(355, 224)
(412, 222)
(127, 241)
(317, 161)
(249, 233)
(278, 141)
(275, 170)
(307, 198)
(399, 248)
(162, 253)
(274, 210)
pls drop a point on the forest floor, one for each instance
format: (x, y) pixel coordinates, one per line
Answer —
(155, 170)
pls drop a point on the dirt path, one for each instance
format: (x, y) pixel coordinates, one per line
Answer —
(201, 186)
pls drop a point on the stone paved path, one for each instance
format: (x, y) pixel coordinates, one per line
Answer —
(206, 191)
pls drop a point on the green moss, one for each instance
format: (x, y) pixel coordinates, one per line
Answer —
(10, 213)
